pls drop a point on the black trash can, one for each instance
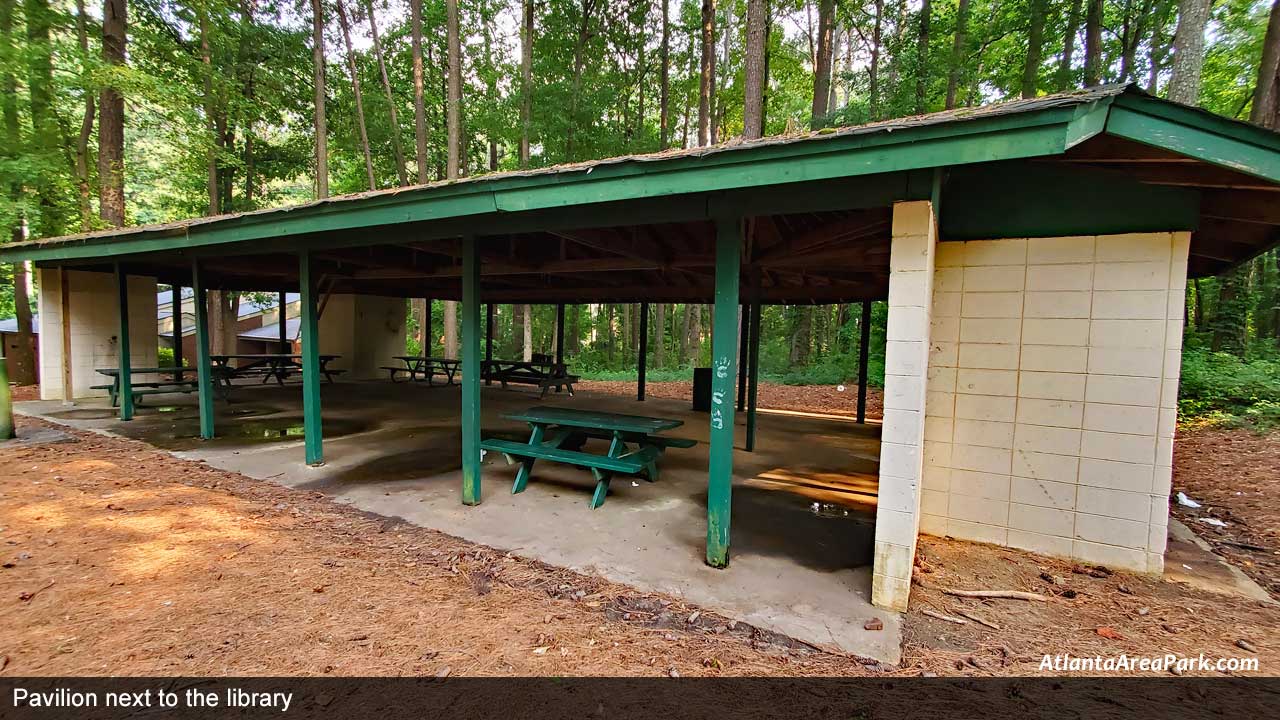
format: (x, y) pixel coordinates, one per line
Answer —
(702, 389)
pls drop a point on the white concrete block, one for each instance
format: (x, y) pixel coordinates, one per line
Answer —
(1058, 304)
(913, 217)
(984, 511)
(948, 280)
(1135, 362)
(1127, 333)
(1051, 386)
(978, 532)
(1130, 304)
(1116, 475)
(1116, 558)
(1139, 449)
(994, 278)
(1162, 481)
(1054, 413)
(995, 252)
(987, 382)
(981, 459)
(1054, 358)
(1043, 493)
(1122, 390)
(935, 525)
(1157, 539)
(902, 496)
(1114, 503)
(939, 404)
(992, 486)
(984, 432)
(989, 356)
(1070, 249)
(1045, 331)
(896, 527)
(936, 478)
(945, 354)
(988, 330)
(985, 407)
(1052, 440)
(1043, 520)
(949, 254)
(908, 323)
(905, 357)
(938, 429)
(1158, 515)
(947, 305)
(890, 593)
(937, 453)
(1060, 277)
(1169, 393)
(1038, 543)
(903, 427)
(903, 392)
(991, 305)
(1134, 419)
(910, 288)
(1045, 466)
(900, 461)
(933, 502)
(1131, 276)
(1134, 247)
(1111, 531)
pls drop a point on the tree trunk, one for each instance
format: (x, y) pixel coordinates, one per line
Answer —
(664, 82)
(659, 335)
(1266, 93)
(873, 69)
(707, 81)
(212, 185)
(957, 50)
(111, 117)
(695, 334)
(526, 82)
(322, 126)
(419, 90)
(822, 63)
(421, 311)
(526, 317)
(451, 329)
(1188, 51)
(753, 108)
(1064, 76)
(83, 187)
(1093, 44)
(359, 97)
(1035, 48)
(454, 99)
(922, 57)
(396, 150)
(24, 359)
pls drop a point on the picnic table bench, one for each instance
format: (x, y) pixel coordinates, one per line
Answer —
(416, 366)
(546, 375)
(269, 365)
(172, 380)
(559, 434)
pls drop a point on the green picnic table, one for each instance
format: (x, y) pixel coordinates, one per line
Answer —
(171, 380)
(558, 434)
(416, 366)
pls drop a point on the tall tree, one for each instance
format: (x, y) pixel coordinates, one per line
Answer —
(1063, 78)
(322, 126)
(526, 82)
(822, 62)
(359, 96)
(957, 50)
(84, 190)
(111, 114)
(453, 121)
(419, 91)
(1266, 91)
(873, 68)
(1093, 43)
(707, 77)
(922, 57)
(396, 150)
(1035, 48)
(664, 80)
(1188, 51)
(23, 357)
(753, 86)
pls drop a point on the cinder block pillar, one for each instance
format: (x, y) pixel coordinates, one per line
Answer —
(911, 263)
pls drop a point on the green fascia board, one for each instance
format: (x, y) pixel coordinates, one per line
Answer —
(1248, 153)
(1028, 134)
(1200, 118)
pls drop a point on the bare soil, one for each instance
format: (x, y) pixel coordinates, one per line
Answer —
(118, 558)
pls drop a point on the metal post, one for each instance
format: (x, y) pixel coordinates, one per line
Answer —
(864, 341)
(644, 349)
(560, 334)
(724, 362)
(470, 372)
(204, 371)
(175, 299)
(744, 339)
(753, 374)
(122, 345)
(312, 425)
(283, 314)
(6, 401)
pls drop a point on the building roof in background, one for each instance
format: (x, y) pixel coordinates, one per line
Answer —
(272, 331)
(10, 325)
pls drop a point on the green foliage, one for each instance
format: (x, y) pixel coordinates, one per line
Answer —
(1224, 388)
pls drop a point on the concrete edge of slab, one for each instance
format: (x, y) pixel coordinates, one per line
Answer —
(1242, 584)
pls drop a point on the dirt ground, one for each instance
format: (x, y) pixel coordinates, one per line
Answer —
(829, 399)
(121, 559)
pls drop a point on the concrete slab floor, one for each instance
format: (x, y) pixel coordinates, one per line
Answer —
(803, 503)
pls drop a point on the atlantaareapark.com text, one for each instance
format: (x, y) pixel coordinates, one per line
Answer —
(1175, 664)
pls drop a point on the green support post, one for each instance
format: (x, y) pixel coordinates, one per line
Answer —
(204, 370)
(122, 345)
(470, 372)
(560, 334)
(644, 350)
(864, 342)
(312, 425)
(744, 338)
(175, 301)
(753, 374)
(283, 317)
(6, 401)
(724, 360)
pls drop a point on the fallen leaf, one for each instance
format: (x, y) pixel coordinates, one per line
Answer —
(1109, 633)
(873, 624)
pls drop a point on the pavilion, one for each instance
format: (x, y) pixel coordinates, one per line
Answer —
(1034, 256)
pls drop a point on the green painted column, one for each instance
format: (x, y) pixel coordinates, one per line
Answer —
(560, 334)
(175, 301)
(122, 345)
(312, 425)
(753, 375)
(283, 316)
(204, 370)
(6, 401)
(744, 339)
(470, 372)
(864, 343)
(724, 361)
(644, 350)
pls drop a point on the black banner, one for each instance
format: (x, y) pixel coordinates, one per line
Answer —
(651, 699)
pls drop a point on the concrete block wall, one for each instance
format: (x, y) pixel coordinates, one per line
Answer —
(95, 326)
(366, 330)
(911, 278)
(1052, 394)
